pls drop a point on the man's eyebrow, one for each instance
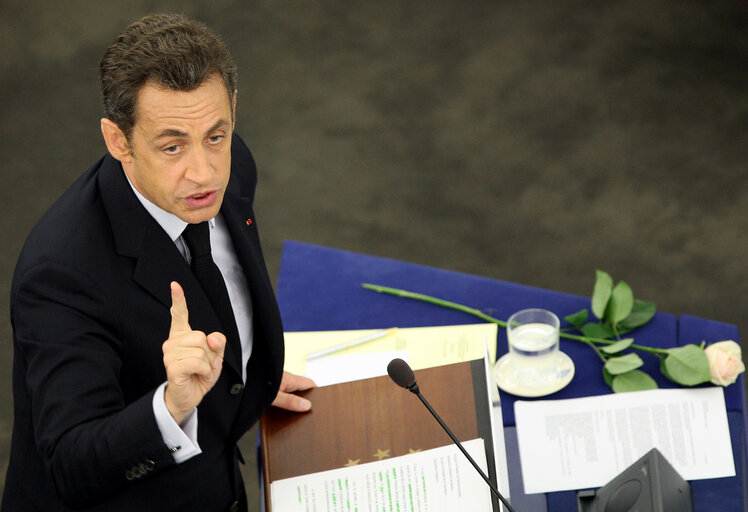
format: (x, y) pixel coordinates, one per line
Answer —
(172, 132)
(169, 132)
(219, 124)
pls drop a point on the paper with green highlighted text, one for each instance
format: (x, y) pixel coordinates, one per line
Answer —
(434, 480)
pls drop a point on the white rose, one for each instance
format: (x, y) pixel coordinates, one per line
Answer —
(725, 363)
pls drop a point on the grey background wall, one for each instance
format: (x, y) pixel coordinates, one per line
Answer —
(525, 141)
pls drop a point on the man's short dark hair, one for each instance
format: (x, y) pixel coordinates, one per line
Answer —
(169, 50)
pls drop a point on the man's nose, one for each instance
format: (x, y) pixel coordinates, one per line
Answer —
(200, 169)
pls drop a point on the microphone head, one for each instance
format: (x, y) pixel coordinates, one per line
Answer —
(401, 373)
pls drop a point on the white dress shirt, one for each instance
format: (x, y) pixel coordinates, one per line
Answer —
(182, 439)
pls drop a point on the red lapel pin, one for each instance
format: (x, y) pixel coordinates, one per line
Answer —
(249, 222)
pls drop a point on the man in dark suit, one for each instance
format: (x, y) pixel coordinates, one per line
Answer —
(132, 381)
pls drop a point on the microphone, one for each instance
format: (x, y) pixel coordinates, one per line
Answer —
(402, 374)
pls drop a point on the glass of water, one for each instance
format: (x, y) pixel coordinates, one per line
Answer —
(533, 346)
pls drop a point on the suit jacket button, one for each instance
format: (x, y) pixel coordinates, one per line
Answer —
(130, 475)
(234, 507)
(236, 389)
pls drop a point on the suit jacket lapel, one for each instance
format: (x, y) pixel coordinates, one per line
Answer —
(237, 211)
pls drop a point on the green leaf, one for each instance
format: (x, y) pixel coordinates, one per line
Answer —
(687, 365)
(601, 293)
(635, 380)
(641, 313)
(593, 330)
(578, 318)
(623, 364)
(621, 303)
(663, 369)
(618, 346)
(608, 378)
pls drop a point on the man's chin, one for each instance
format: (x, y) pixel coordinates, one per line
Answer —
(199, 215)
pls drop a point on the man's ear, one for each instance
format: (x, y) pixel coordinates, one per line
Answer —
(115, 141)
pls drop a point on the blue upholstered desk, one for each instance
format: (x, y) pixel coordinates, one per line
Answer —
(320, 289)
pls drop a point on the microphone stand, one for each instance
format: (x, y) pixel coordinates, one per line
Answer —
(459, 445)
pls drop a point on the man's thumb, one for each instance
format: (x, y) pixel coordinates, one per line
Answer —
(217, 343)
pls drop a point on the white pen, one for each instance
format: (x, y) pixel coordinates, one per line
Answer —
(352, 343)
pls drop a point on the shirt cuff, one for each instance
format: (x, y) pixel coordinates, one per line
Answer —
(181, 440)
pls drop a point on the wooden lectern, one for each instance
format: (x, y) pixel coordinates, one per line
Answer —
(368, 420)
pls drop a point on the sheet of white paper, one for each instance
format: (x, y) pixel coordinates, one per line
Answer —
(334, 369)
(585, 442)
(438, 480)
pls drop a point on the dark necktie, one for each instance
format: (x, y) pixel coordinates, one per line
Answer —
(197, 238)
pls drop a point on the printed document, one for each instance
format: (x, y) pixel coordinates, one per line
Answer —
(438, 480)
(585, 442)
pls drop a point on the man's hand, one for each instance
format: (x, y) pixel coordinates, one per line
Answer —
(193, 361)
(286, 400)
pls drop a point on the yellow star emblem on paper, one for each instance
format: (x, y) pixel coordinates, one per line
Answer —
(381, 454)
(351, 462)
(414, 451)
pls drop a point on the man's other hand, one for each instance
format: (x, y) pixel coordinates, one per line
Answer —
(193, 361)
(285, 399)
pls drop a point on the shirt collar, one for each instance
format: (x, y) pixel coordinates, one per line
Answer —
(169, 222)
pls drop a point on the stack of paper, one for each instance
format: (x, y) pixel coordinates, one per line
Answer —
(438, 480)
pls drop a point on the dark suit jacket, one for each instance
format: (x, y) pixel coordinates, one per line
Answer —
(90, 310)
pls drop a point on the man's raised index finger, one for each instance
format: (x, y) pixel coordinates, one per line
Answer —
(179, 313)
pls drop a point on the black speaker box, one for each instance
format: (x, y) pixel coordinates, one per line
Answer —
(650, 484)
